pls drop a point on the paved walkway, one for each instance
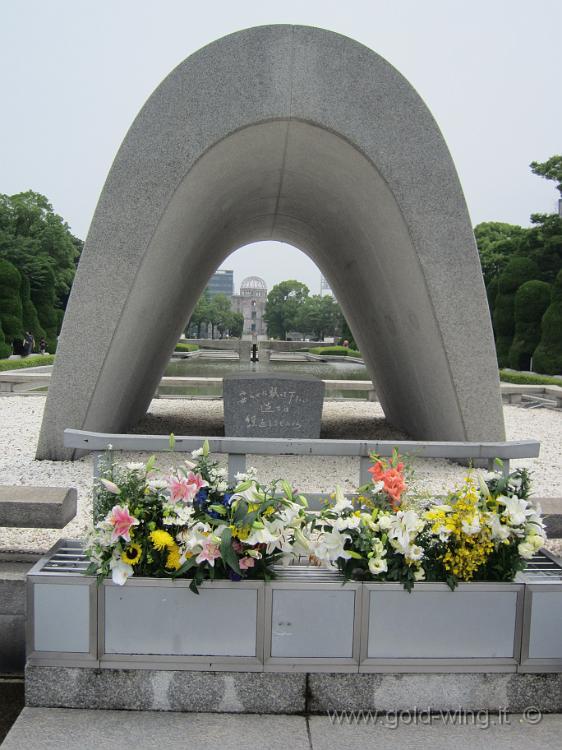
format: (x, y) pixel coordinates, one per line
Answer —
(71, 729)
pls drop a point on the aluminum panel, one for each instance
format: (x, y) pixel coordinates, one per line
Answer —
(312, 624)
(441, 624)
(61, 617)
(545, 638)
(166, 620)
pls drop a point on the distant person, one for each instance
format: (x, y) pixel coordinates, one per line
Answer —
(42, 346)
(346, 343)
(28, 344)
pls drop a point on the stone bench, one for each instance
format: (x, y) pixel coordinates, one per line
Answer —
(37, 507)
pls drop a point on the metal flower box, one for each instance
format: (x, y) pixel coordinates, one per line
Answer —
(306, 620)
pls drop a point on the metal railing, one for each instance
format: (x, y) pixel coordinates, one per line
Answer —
(238, 448)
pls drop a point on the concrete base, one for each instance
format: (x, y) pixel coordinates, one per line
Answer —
(12, 613)
(288, 693)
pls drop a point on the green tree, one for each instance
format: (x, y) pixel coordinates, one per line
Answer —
(219, 314)
(516, 273)
(497, 243)
(547, 358)
(43, 297)
(11, 312)
(236, 324)
(30, 318)
(320, 316)
(531, 302)
(200, 314)
(551, 169)
(32, 236)
(282, 307)
(5, 348)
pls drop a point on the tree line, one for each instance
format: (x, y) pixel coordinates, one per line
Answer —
(38, 259)
(215, 311)
(522, 268)
(290, 307)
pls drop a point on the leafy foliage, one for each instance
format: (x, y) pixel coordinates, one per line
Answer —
(531, 301)
(11, 312)
(516, 273)
(547, 357)
(283, 306)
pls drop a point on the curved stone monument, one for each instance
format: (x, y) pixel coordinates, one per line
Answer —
(300, 135)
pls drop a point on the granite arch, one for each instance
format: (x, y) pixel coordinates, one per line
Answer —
(304, 136)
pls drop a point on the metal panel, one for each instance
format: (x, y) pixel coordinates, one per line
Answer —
(316, 623)
(312, 625)
(61, 617)
(541, 649)
(172, 620)
(478, 624)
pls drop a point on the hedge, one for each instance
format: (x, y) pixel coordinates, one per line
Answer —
(335, 351)
(516, 273)
(521, 378)
(38, 360)
(531, 301)
(547, 356)
(30, 318)
(182, 347)
(5, 349)
(11, 313)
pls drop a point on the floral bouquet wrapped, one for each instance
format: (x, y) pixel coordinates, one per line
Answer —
(191, 523)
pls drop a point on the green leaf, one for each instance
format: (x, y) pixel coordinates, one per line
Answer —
(150, 464)
(220, 509)
(185, 567)
(227, 553)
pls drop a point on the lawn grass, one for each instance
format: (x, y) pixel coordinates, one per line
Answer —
(31, 361)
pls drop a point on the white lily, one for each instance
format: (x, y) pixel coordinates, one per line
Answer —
(120, 571)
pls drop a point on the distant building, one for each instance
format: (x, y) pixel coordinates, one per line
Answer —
(251, 303)
(325, 287)
(221, 282)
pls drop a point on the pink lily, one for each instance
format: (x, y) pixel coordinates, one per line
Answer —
(122, 522)
(246, 562)
(181, 489)
(209, 553)
(197, 481)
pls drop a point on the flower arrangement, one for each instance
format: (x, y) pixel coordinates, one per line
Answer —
(485, 531)
(191, 523)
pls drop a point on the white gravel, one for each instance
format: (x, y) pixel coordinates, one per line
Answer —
(20, 421)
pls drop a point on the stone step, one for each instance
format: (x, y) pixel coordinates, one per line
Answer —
(71, 729)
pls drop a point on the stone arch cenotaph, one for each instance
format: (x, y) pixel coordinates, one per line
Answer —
(304, 136)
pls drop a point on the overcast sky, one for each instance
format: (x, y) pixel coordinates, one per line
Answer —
(76, 72)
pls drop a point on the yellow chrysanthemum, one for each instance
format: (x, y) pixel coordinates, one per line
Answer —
(161, 539)
(131, 554)
(173, 562)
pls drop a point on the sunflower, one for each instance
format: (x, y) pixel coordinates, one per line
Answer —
(161, 539)
(131, 554)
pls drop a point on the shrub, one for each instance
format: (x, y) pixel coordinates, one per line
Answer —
(30, 318)
(547, 357)
(531, 301)
(335, 351)
(520, 378)
(11, 313)
(5, 349)
(43, 297)
(183, 347)
(516, 273)
(37, 360)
